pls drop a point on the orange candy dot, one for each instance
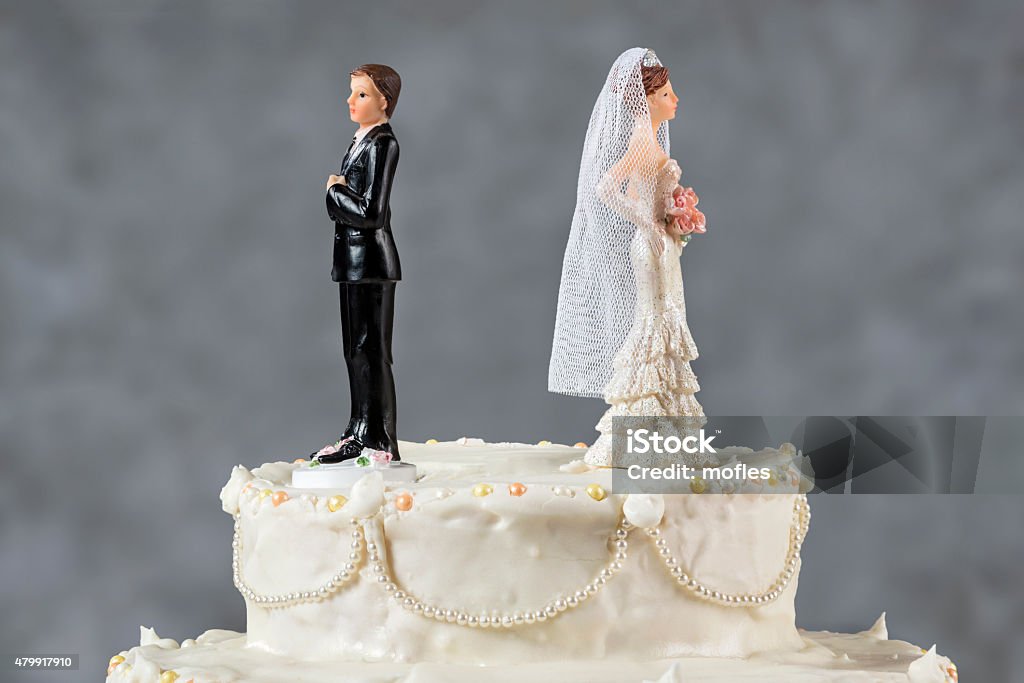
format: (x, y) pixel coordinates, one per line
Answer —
(580, 444)
(403, 501)
(516, 489)
(279, 497)
(299, 460)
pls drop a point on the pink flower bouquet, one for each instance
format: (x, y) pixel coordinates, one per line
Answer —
(682, 215)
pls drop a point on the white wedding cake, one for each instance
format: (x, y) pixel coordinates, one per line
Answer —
(515, 562)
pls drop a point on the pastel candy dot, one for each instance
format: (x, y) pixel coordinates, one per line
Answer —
(431, 441)
(279, 497)
(580, 444)
(697, 485)
(403, 501)
(115, 662)
(335, 503)
(544, 443)
(597, 492)
(168, 677)
(481, 490)
(516, 489)
(299, 461)
(266, 493)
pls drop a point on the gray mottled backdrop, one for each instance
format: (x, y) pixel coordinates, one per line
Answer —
(166, 310)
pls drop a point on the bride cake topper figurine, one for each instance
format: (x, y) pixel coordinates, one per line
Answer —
(620, 330)
(366, 268)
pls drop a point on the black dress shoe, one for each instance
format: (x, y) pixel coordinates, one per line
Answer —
(331, 449)
(352, 448)
(315, 455)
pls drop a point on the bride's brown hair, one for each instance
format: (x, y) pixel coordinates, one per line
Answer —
(653, 77)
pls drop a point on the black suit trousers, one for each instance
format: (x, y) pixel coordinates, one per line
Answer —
(367, 321)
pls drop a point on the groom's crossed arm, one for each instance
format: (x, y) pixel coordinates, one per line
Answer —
(367, 210)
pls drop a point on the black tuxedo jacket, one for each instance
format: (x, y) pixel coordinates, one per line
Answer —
(364, 249)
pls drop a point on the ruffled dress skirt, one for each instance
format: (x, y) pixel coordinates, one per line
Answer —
(652, 375)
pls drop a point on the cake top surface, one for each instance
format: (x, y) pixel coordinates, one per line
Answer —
(469, 462)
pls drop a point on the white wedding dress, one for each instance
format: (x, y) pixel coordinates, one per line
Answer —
(620, 328)
(652, 374)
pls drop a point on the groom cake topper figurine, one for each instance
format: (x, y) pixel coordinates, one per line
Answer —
(366, 268)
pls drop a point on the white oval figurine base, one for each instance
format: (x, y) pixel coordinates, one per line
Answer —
(346, 473)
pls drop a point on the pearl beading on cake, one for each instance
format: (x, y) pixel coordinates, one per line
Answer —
(348, 571)
(797, 533)
(496, 618)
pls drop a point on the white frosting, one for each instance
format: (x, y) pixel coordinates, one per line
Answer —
(148, 636)
(367, 496)
(232, 490)
(927, 668)
(644, 510)
(878, 629)
(507, 554)
(823, 657)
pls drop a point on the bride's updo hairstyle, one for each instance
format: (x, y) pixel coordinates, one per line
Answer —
(654, 78)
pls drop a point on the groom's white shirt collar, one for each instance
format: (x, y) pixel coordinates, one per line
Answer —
(361, 133)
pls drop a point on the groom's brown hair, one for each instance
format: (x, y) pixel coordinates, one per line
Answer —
(386, 80)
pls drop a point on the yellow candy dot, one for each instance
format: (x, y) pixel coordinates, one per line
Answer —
(266, 493)
(697, 485)
(481, 490)
(168, 677)
(431, 441)
(335, 503)
(544, 443)
(597, 492)
(772, 479)
(115, 662)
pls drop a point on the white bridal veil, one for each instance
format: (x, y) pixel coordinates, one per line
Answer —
(615, 196)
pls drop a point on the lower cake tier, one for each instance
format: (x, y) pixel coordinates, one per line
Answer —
(500, 554)
(823, 657)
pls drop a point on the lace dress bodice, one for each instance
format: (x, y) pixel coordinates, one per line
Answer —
(659, 276)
